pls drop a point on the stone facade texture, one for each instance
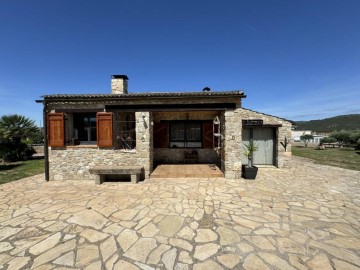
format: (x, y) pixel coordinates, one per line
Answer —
(232, 143)
(73, 163)
(283, 158)
(119, 86)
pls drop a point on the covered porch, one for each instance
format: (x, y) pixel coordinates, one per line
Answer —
(190, 137)
(187, 171)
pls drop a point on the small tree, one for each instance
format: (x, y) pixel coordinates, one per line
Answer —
(355, 137)
(249, 150)
(306, 138)
(343, 136)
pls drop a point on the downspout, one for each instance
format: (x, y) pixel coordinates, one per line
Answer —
(46, 149)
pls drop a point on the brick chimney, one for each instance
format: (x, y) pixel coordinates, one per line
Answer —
(119, 84)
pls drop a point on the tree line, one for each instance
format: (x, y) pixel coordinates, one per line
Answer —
(341, 122)
(343, 137)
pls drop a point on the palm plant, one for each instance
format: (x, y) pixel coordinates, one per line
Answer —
(16, 127)
(13, 129)
(249, 150)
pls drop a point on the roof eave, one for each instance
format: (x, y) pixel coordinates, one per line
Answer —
(129, 97)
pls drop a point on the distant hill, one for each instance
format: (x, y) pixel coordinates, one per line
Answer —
(347, 122)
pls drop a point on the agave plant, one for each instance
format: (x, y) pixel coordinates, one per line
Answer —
(249, 150)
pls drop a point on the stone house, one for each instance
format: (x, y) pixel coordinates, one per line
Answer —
(148, 129)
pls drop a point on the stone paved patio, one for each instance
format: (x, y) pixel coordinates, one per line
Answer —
(304, 218)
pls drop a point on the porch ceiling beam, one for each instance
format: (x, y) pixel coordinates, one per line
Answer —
(173, 107)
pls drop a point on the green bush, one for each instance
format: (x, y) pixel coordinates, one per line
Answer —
(342, 136)
(15, 151)
(327, 140)
(346, 137)
(357, 146)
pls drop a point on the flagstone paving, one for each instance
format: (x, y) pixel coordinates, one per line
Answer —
(307, 217)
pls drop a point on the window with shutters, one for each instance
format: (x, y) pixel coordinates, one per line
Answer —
(77, 129)
(81, 129)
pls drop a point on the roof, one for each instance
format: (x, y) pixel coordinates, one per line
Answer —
(290, 121)
(234, 93)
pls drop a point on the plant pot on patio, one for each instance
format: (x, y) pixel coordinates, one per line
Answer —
(249, 172)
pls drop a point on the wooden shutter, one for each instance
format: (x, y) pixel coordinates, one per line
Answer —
(56, 134)
(104, 129)
(208, 134)
(161, 135)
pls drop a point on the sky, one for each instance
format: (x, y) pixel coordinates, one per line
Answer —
(299, 60)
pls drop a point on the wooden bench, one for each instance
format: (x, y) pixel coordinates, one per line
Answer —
(102, 171)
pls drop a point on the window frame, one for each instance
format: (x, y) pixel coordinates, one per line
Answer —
(129, 127)
(78, 120)
(186, 140)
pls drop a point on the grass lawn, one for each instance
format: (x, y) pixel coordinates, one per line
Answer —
(17, 170)
(339, 157)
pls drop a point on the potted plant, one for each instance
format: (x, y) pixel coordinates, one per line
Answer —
(249, 171)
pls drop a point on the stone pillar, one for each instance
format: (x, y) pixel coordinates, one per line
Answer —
(283, 157)
(151, 142)
(143, 141)
(232, 144)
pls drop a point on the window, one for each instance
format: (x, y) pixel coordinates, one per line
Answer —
(125, 130)
(84, 129)
(264, 139)
(185, 134)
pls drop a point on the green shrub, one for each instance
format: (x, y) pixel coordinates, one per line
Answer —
(357, 146)
(327, 140)
(15, 151)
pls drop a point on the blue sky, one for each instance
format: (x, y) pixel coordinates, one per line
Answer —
(296, 59)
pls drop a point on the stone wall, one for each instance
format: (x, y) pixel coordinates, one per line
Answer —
(73, 163)
(176, 156)
(232, 143)
(283, 158)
